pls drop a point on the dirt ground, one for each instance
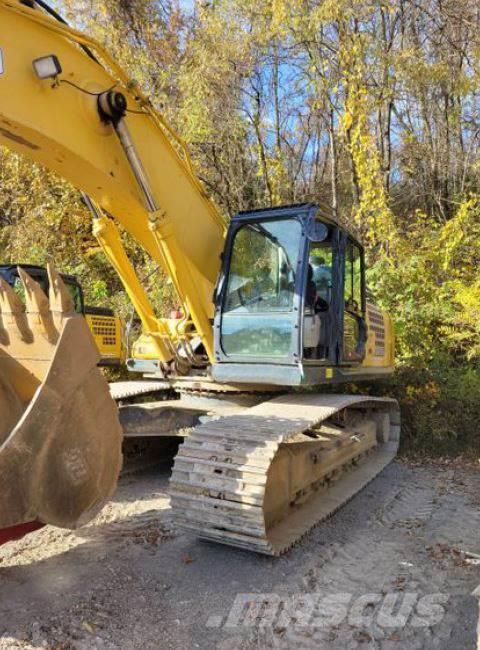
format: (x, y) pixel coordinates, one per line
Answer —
(390, 570)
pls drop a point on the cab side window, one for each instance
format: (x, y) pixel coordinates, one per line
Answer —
(353, 278)
(320, 263)
(75, 293)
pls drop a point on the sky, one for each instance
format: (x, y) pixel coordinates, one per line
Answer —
(186, 5)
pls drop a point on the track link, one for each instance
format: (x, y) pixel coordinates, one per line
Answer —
(228, 472)
(126, 389)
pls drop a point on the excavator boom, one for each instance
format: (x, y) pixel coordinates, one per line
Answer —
(133, 168)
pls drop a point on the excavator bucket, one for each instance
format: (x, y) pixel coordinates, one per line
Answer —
(60, 437)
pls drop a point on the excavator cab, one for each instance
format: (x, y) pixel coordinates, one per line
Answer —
(290, 301)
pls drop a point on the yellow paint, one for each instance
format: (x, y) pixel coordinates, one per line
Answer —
(109, 238)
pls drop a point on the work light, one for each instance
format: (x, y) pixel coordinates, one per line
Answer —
(47, 67)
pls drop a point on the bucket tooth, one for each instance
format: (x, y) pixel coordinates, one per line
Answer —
(35, 298)
(38, 307)
(10, 303)
(61, 303)
(12, 311)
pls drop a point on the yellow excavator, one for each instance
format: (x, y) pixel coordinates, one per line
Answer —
(273, 309)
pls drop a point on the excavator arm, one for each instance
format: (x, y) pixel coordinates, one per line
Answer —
(84, 119)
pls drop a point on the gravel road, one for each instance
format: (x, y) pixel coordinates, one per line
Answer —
(390, 570)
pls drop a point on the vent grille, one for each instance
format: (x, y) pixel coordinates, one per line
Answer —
(104, 327)
(377, 326)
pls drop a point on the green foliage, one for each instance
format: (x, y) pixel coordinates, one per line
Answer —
(429, 282)
(372, 213)
(440, 407)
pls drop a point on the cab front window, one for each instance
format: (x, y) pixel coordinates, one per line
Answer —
(261, 283)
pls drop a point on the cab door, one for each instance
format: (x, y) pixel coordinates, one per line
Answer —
(354, 324)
